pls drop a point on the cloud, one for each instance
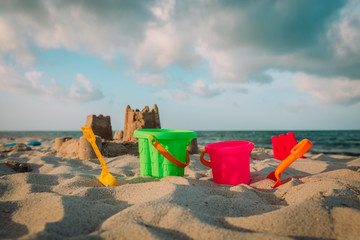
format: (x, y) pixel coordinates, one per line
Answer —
(14, 43)
(103, 29)
(33, 82)
(345, 35)
(147, 78)
(181, 95)
(237, 65)
(166, 40)
(245, 39)
(174, 94)
(237, 89)
(163, 46)
(273, 25)
(84, 91)
(202, 89)
(238, 40)
(338, 90)
(11, 80)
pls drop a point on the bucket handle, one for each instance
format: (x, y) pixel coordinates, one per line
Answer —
(203, 160)
(167, 155)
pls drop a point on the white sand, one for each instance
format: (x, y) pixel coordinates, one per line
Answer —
(62, 198)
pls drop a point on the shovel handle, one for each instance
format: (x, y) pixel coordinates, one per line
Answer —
(296, 152)
(90, 136)
(301, 148)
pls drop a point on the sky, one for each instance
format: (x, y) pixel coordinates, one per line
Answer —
(207, 64)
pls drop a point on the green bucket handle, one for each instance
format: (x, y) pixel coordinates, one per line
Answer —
(167, 155)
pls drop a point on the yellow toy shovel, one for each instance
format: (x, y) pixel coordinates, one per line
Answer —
(105, 177)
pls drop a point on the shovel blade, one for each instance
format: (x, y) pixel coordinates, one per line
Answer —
(275, 178)
(278, 183)
(107, 179)
(272, 176)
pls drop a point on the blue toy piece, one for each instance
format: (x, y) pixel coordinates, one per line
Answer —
(10, 144)
(35, 143)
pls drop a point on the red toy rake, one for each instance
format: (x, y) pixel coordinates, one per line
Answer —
(283, 144)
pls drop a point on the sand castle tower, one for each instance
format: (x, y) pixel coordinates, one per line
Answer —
(101, 125)
(134, 119)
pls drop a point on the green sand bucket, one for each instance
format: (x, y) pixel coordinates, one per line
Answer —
(163, 151)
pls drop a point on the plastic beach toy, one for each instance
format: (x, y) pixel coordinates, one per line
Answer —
(163, 151)
(283, 144)
(229, 161)
(105, 177)
(10, 144)
(35, 143)
(300, 149)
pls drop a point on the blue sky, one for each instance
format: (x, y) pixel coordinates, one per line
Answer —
(207, 64)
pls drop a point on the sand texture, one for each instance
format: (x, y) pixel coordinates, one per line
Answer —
(62, 198)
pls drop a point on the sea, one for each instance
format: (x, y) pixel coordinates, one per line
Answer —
(344, 142)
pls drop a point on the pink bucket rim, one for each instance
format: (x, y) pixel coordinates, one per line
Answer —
(229, 147)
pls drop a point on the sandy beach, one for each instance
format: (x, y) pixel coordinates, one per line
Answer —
(62, 198)
(116, 76)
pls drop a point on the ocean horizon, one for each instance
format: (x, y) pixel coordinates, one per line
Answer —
(340, 142)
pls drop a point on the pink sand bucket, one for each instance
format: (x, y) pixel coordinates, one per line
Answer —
(229, 161)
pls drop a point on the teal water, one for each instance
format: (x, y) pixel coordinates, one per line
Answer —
(329, 142)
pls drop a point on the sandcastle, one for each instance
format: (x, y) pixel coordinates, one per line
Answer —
(109, 147)
(101, 126)
(134, 119)
(122, 143)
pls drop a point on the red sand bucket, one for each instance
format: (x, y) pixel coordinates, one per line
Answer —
(229, 161)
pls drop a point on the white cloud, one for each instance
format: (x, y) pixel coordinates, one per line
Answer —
(202, 89)
(237, 89)
(166, 41)
(223, 65)
(236, 64)
(163, 9)
(181, 95)
(7, 36)
(75, 26)
(159, 48)
(33, 82)
(147, 78)
(11, 80)
(85, 83)
(175, 94)
(239, 41)
(77, 30)
(345, 34)
(83, 91)
(338, 90)
(14, 41)
(34, 77)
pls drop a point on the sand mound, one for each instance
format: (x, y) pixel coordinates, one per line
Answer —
(62, 197)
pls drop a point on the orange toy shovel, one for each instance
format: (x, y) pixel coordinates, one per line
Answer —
(296, 152)
(105, 177)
